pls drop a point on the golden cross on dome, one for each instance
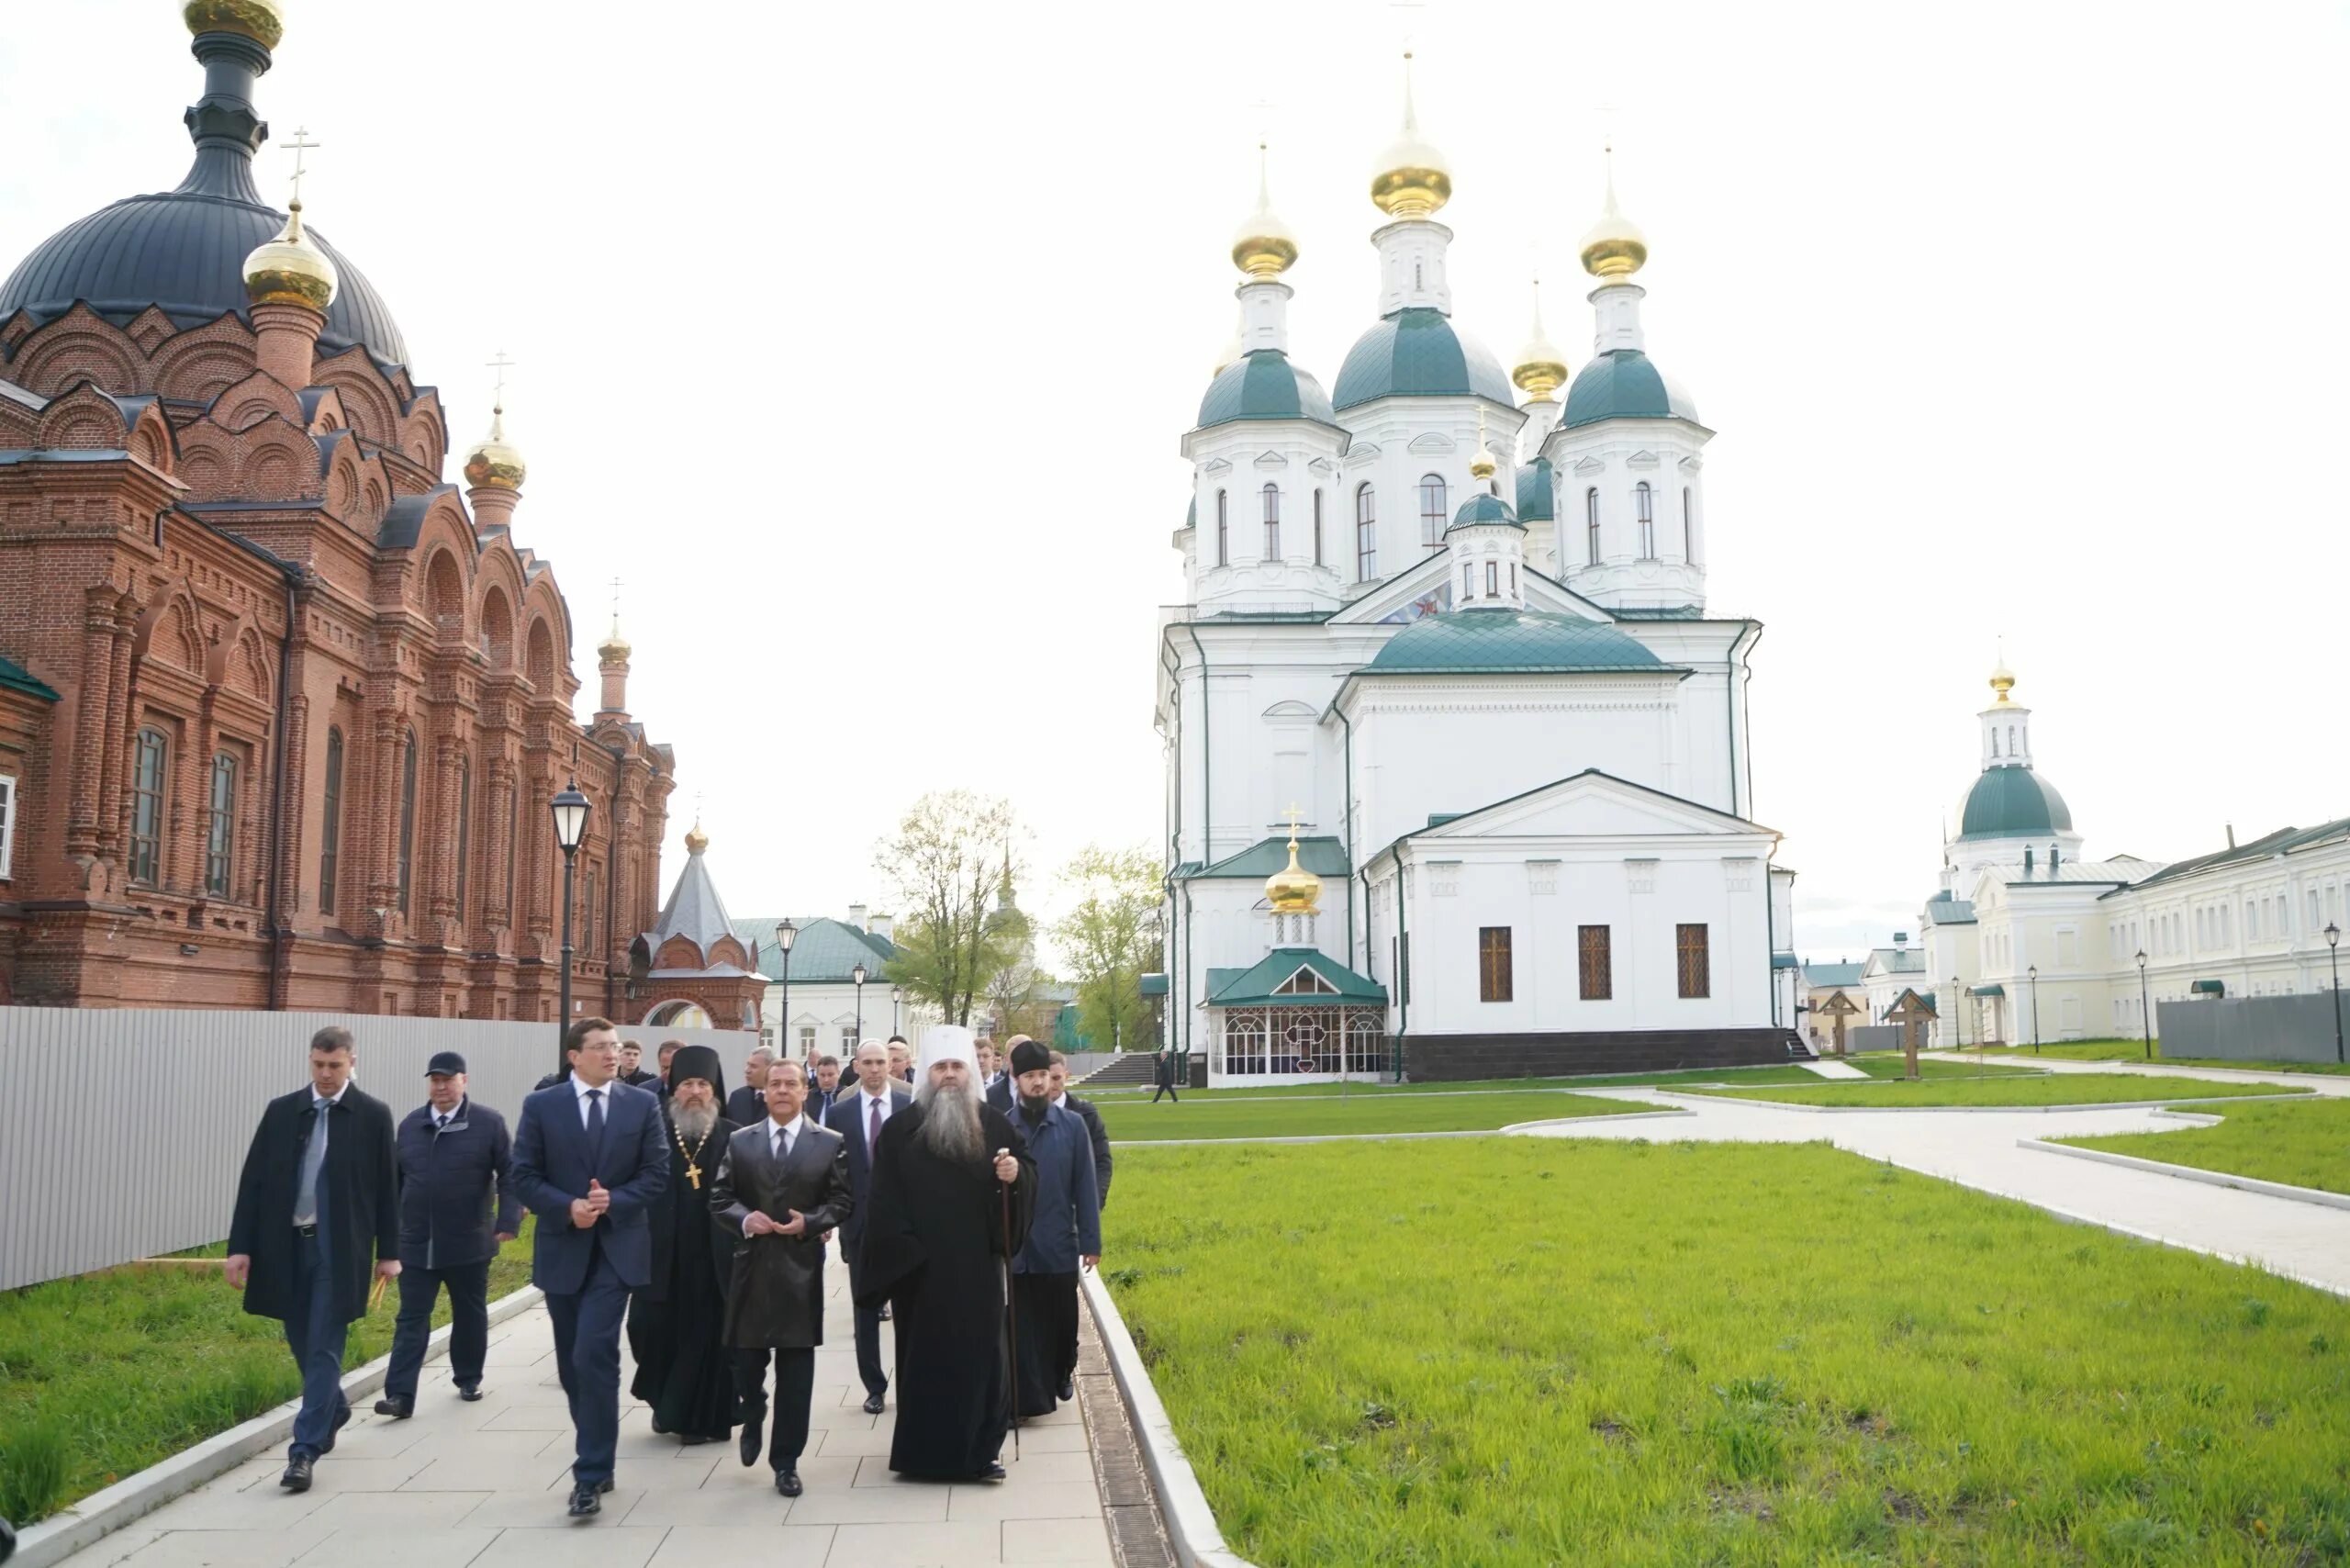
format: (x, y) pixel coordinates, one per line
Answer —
(301, 144)
(1294, 814)
(501, 363)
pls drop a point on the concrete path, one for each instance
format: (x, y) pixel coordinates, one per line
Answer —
(484, 1485)
(1830, 1068)
(1978, 1148)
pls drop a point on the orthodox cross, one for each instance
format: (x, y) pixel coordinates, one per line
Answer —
(1912, 1012)
(616, 601)
(500, 363)
(301, 144)
(1294, 814)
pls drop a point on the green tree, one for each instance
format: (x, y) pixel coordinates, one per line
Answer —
(951, 850)
(1110, 937)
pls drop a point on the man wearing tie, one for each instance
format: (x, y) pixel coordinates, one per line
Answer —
(782, 1183)
(588, 1158)
(858, 1116)
(317, 1204)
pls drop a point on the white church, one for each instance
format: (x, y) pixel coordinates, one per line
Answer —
(1459, 781)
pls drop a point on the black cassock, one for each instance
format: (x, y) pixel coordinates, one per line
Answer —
(683, 1370)
(935, 1248)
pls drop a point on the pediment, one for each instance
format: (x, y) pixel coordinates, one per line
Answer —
(1426, 589)
(1360, 453)
(1322, 465)
(1642, 460)
(1430, 443)
(1592, 804)
(1591, 466)
(1271, 460)
(1691, 464)
(1215, 466)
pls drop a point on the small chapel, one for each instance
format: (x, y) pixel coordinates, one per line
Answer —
(1459, 777)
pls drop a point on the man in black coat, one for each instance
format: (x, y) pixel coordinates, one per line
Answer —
(858, 1115)
(457, 1208)
(782, 1184)
(748, 1106)
(633, 1070)
(1162, 1074)
(318, 1203)
(1094, 1131)
(684, 1373)
(999, 1092)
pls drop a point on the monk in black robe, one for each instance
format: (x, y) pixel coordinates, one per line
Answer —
(683, 1369)
(946, 1214)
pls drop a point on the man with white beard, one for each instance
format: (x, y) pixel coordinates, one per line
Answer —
(952, 1189)
(683, 1370)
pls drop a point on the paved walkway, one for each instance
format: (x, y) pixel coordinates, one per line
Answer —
(1978, 1148)
(484, 1485)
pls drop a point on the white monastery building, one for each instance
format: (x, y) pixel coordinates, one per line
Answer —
(1458, 773)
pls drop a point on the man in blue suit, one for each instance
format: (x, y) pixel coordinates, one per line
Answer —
(858, 1116)
(588, 1158)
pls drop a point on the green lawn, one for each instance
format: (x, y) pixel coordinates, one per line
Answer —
(2023, 1089)
(2135, 1051)
(1270, 1117)
(1883, 1065)
(1531, 1351)
(2305, 1144)
(1774, 1075)
(107, 1374)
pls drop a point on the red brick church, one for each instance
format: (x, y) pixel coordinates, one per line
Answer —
(280, 711)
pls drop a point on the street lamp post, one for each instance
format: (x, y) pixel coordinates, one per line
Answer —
(897, 995)
(2145, 1013)
(569, 809)
(2033, 971)
(2333, 964)
(784, 933)
(856, 977)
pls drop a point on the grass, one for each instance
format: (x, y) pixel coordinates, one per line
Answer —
(1882, 1066)
(2023, 1089)
(1531, 1351)
(1270, 1117)
(2135, 1051)
(1777, 1073)
(2304, 1145)
(107, 1374)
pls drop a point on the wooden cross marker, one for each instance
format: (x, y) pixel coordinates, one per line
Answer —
(1840, 1007)
(1912, 1012)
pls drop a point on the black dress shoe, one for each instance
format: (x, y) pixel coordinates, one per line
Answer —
(469, 1393)
(1068, 1390)
(752, 1422)
(297, 1471)
(992, 1472)
(786, 1482)
(694, 1439)
(586, 1500)
(398, 1406)
(873, 1405)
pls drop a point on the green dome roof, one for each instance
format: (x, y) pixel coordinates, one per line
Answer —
(1534, 491)
(2013, 802)
(1417, 352)
(1483, 508)
(1623, 384)
(1473, 641)
(1264, 386)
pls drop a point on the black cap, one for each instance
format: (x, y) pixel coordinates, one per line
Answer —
(443, 1064)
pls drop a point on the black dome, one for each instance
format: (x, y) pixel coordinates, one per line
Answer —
(184, 250)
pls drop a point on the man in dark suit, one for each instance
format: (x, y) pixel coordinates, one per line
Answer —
(457, 1208)
(1084, 1112)
(318, 1203)
(783, 1185)
(858, 1118)
(1000, 1092)
(1162, 1077)
(748, 1106)
(588, 1158)
(632, 1068)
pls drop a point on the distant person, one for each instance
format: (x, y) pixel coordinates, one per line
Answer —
(665, 1055)
(1063, 1236)
(988, 1075)
(457, 1208)
(902, 1059)
(782, 1184)
(683, 1372)
(1162, 1074)
(588, 1161)
(318, 1203)
(858, 1116)
(1001, 1093)
(1084, 1112)
(748, 1106)
(828, 1081)
(632, 1073)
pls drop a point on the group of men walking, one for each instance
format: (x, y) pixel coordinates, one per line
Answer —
(964, 1201)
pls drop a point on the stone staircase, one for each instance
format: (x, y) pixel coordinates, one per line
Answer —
(1128, 1071)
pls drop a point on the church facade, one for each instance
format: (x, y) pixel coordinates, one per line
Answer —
(281, 712)
(1458, 773)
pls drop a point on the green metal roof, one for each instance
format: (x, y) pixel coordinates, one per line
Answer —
(1623, 384)
(1417, 352)
(1484, 508)
(2283, 841)
(1325, 857)
(2209, 987)
(1534, 491)
(1992, 990)
(1468, 641)
(822, 952)
(2013, 802)
(1257, 985)
(1264, 386)
(14, 676)
(1833, 974)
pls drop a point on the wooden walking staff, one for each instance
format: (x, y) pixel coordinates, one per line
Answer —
(1011, 1310)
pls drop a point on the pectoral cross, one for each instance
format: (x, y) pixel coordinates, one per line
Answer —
(693, 1174)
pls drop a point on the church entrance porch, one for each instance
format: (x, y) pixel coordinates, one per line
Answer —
(1298, 1045)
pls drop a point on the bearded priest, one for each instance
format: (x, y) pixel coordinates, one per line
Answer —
(683, 1370)
(952, 1189)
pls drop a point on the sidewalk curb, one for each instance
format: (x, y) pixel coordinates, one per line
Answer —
(1183, 1508)
(2193, 1174)
(1977, 1110)
(102, 1513)
(1387, 1138)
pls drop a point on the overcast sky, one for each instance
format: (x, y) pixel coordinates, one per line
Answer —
(859, 340)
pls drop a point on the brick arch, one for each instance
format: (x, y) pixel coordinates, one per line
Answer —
(444, 594)
(171, 631)
(204, 362)
(151, 440)
(342, 492)
(498, 628)
(207, 463)
(367, 402)
(538, 656)
(79, 346)
(424, 435)
(82, 419)
(277, 468)
(678, 1012)
(249, 665)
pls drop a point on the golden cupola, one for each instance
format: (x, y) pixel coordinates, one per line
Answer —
(2003, 680)
(1411, 178)
(291, 269)
(1294, 889)
(263, 21)
(493, 463)
(1263, 248)
(696, 840)
(1484, 465)
(614, 648)
(1615, 248)
(1541, 369)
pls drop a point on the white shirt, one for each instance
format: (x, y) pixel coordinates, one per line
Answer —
(581, 1092)
(781, 1136)
(867, 1102)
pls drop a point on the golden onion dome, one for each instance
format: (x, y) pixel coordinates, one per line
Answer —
(1541, 369)
(263, 21)
(1484, 465)
(1294, 889)
(494, 461)
(2003, 680)
(696, 840)
(1615, 248)
(289, 269)
(1410, 178)
(614, 648)
(1263, 247)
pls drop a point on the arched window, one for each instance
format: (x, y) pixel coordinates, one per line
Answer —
(1994, 742)
(220, 828)
(1273, 495)
(465, 831)
(1688, 530)
(1644, 509)
(331, 835)
(1513, 580)
(1493, 579)
(1222, 531)
(1366, 535)
(1468, 582)
(1591, 525)
(588, 913)
(147, 809)
(2011, 741)
(1317, 528)
(513, 837)
(1432, 512)
(408, 819)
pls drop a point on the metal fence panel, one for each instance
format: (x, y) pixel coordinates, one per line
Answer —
(2250, 1028)
(122, 1130)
